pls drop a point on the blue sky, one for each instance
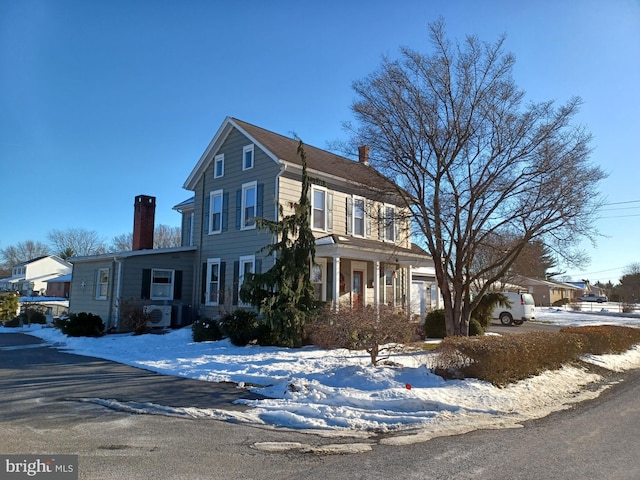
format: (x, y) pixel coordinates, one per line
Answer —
(101, 101)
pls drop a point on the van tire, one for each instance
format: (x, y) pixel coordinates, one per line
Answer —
(506, 318)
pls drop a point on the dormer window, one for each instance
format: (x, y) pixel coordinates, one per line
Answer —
(247, 157)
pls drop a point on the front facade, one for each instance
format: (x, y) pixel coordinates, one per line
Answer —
(364, 254)
(30, 278)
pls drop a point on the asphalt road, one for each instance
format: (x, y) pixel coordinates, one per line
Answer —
(40, 413)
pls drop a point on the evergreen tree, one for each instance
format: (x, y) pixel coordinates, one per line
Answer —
(284, 294)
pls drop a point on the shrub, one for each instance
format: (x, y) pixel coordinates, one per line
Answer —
(434, 324)
(483, 313)
(14, 322)
(362, 329)
(475, 328)
(560, 303)
(504, 359)
(133, 317)
(603, 339)
(32, 315)
(242, 327)
(8, 306)
(81, 325)
(206, 330)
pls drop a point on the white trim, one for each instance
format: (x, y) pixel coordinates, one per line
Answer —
(99, 284)
(218, 158)
(243, 207)
(212, 196)
(171, 284)
(355, 199)
(207, 299)
(245, 150)
(244, 260)
(325, 208)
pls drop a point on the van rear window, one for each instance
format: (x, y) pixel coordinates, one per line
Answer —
(528, 299)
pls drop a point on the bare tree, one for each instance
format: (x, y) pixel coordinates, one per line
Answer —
(164, 236)
(22, 252)
(76, 242)
(474, 162)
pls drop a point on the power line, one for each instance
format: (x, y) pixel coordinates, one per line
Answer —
(621, 203)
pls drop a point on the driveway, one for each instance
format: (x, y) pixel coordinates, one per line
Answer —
(26, 361)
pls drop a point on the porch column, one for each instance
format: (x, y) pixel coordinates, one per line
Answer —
(408, 292)
(336, 283)
(376, 284)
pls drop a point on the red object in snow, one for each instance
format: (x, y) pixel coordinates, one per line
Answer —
(408, 385)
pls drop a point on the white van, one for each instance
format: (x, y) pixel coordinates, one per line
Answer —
(522, 309)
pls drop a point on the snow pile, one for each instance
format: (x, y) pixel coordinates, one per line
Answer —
(338, 392)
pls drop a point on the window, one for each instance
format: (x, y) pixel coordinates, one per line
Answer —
(213, 281)
(248, 209)
(247, 157)
(319, 210)
(390, 224)
(318, 279)
(247, 265)
(161, 284)
(358, 217)
(215, 215)
(218, 169)
(102, 284)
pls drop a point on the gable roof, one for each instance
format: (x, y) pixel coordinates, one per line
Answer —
(283, 149)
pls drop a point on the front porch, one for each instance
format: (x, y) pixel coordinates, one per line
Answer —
(352, 272)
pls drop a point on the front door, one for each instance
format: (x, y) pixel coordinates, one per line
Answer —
(358, 289)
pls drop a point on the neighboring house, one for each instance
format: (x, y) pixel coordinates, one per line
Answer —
(29, 278)
(546, 292)
(58, 286)
(584, 287)
(364, 253)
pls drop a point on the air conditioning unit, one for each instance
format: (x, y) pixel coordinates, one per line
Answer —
(159, 315)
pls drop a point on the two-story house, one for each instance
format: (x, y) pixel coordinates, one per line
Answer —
(364, 253)
(30, 277)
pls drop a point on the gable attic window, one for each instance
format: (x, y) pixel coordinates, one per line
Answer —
(218, 169)
(161, 284)
(102, 284)
(247, 157)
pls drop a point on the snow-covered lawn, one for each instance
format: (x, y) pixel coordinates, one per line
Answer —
(338, 392)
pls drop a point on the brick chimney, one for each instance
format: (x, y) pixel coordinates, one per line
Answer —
(144, 214)
(363, 154)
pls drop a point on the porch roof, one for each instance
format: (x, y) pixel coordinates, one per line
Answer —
(371, 250)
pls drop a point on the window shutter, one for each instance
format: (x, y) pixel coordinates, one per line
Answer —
(145, 292)
(203, 296)
(221, 276)
(225, 211)
(259, 199)
(177, 285)
(257, 266)
(368, 209)
(236, 281)
(381, 223)
(329, 211)
(207, 211)
(238, 209)
(349, 215)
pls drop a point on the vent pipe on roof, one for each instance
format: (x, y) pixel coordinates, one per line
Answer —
(363, 154)
(143, 222)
